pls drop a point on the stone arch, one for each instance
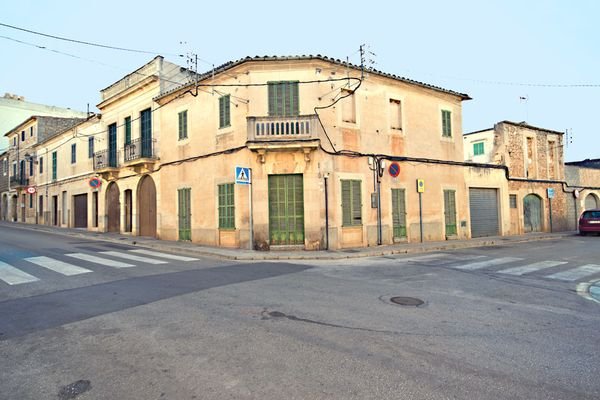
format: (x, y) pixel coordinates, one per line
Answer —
(591, 202)
(532, 213)
(146, 205)
(113, 208)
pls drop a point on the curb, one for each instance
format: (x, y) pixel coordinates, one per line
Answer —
(310, 255)
(585, 290)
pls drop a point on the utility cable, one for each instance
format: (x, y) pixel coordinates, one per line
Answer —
(85, 42)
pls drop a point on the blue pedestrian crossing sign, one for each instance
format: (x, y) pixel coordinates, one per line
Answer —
(243, 175)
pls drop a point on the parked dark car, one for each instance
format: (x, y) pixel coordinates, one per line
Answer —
(589, 222)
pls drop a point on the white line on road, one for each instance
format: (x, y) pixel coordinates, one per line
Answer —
(164, 255)
(99, 260)
(576, 273)
(57, 266)
(423, 258)
(14, 276)
(487, 263)
(133, 257)
(525, 269)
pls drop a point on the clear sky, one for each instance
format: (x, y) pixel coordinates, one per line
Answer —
(498, 52)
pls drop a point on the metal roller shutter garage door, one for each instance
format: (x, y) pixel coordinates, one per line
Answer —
(484, 212)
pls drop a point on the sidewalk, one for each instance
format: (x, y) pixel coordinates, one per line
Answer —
(247, 255)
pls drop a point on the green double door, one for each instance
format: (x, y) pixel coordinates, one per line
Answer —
(286, 209)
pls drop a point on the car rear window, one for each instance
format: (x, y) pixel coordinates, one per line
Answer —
(591, 214)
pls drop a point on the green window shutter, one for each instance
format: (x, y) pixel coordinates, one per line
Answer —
(346, 203)
(185, 214)
(351, 203)
(478, 149)
(54, 165)
(224, 111)
(183, 125)
(283, 99)
(398, 213)
(127, 130)
(446, 123)
(450, 212)
(226, 206)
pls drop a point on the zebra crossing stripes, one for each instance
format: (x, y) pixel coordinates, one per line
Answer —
(487, 263)
(526, 269)
(57, 266)
(164, 255)
(577, 273)
(100, 260)
(14, 276)
(133, 257)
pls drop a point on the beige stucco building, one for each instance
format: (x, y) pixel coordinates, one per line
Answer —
(309, 171)
(23, 163)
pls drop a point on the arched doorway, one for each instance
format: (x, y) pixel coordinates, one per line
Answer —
(146, 201)
(113, 208)
(13, 208)
(532, 213)
(4, 207)
(591, 202)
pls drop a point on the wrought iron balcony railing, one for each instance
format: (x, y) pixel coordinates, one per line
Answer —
(140, 148)
(18, 181)
(106, 159)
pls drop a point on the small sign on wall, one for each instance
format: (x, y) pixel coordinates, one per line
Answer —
(421, 185)
(550, 193)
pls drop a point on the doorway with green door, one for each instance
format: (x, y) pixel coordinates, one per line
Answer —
(286, 209)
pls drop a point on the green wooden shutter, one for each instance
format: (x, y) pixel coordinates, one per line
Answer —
(185, 214)
(446, 123)
(54, 165)
(283, 99)
(272, 98)
(398, 213)
(224, 111)
(450, 212)
(226, 206)
(356, 203)
(183, 125)
(127, 130)
(351, 203)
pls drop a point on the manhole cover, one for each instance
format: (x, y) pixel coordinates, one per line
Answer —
(407, 301)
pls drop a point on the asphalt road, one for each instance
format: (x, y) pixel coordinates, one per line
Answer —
(496, 323)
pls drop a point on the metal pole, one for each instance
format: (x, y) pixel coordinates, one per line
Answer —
(251, 222)
(326, 216)
(421, 215)
(550, 204)
(379, 231)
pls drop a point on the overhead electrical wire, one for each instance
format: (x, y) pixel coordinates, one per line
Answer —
(105, 46)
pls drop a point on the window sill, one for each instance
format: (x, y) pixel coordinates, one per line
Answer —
(227, 229)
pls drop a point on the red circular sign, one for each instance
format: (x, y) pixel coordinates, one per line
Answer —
(394, 169)
(95, 183)
(30, 189)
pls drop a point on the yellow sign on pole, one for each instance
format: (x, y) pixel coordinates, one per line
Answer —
(421, 185)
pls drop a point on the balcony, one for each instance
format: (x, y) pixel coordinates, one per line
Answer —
(284, 133)
(18, 182)
(140, 154)
(106, 163)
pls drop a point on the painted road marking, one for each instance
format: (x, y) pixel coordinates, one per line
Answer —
(525, 269)
(14, 276)
(133, 257)
(164, 255)
(423, 258)
(576, 273)
(99, 260)
(487, 263)
(57, 266)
